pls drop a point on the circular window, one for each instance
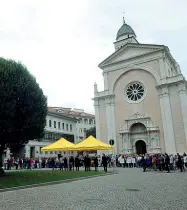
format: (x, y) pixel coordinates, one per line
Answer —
(135, 92)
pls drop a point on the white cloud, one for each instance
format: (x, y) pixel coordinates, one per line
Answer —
(62, 42)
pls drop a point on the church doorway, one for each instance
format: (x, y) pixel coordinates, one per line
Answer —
(141, 147)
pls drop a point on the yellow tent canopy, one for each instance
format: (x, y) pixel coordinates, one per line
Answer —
(92, 143)
(60, 145)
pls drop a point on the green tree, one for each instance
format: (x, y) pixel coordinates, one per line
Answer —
(91, 132)
(23, 106)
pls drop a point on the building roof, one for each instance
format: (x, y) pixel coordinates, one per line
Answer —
(61, 115)
(70, 112)
(125, 30)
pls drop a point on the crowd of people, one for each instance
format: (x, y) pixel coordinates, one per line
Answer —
(61, 163)
(161, 162)
(155, 162)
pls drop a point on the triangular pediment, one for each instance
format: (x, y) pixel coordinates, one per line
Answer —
(130, 51)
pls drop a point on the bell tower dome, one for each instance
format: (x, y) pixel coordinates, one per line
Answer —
(124, 35)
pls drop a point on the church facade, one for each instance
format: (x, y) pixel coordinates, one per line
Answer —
(143, 106)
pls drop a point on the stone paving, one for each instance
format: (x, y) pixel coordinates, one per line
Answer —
(130, 189)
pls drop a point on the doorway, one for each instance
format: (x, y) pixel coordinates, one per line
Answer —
(32, 152)
(141, 147)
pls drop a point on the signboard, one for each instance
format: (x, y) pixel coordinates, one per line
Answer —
(111, 142)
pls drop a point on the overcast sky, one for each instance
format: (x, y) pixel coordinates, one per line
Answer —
(63, 41)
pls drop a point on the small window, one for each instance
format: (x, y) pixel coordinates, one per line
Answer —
(63, 126)
(71, 128)
(67, 127)
(80, 130)
(51, 153)
(58, 125)
(49, 123)
(54, 124)
(46, 153)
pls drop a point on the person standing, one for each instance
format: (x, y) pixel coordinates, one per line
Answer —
(72, 163)
(86, 163)
(65, 164)
(96, 163)
(143, 163)
(104, 162)
(61, 161)
(77, 163)
(167, 162)
(179, 162)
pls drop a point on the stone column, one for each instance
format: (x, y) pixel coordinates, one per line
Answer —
(27, 151)
(183, 103)
(110, 115)
(167, 121)
(105, 80)
(97, 118)
(162, 67)
(113, 124)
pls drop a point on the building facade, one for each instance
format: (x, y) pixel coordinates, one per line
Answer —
(143, 106)
(85, 121)
(58, 125)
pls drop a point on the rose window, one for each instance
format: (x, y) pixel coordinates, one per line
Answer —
(135, 91)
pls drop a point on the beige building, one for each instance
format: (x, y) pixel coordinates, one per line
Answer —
(143, 106)
(58, 125)
(84, 121)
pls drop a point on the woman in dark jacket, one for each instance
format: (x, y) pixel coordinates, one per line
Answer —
(77, 163)
(65, 164)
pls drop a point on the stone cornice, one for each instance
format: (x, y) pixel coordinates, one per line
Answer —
(168, 54)
(171, 81)
(107, 96)
(131, 45)
(121, 65)
(182, 88)
(131, 58)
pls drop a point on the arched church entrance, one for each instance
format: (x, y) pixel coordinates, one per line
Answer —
(140, 147)
(138, 131)
(139, 134)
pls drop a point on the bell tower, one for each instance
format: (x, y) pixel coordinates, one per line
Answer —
(124, 35)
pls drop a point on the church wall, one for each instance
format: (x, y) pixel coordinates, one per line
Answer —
(149, 106)
(103, 121)
(177, 119)
(113, 75)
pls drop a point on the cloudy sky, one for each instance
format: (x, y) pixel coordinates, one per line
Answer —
(63, 41)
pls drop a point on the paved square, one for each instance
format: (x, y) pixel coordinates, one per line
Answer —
(129, 189)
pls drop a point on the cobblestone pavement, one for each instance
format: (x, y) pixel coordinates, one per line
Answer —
(129, 189)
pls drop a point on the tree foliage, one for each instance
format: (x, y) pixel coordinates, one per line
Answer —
(23, 106)
(91, 132)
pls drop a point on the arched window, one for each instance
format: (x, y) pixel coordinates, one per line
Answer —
(86, 121)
